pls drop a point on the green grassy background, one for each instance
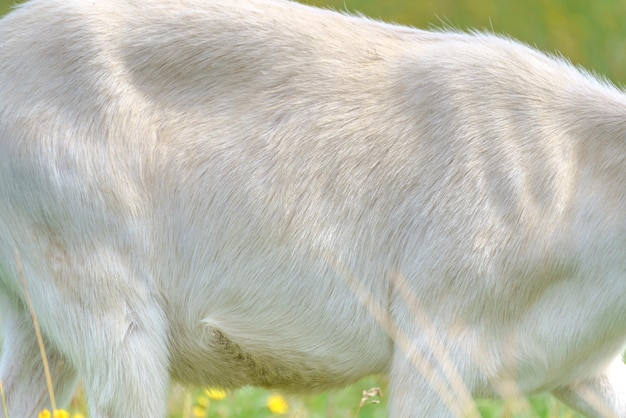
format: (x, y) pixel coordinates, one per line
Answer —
(591, 33)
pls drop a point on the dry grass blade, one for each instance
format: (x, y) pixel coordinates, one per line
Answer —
(367, 395)
(42, 349)
(435, 342)
(187, 405)
(594, 400)
(4, 401)
(442, 387)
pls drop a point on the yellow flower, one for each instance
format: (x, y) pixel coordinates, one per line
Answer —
(215, 393)
(57, 413)
(277, 404)
(202, 401)
(198, 412)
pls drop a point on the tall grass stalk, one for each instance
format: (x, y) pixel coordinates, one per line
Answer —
(447, 387)
(42, 349)
(439, 351)
(4, 401)
(187, 405)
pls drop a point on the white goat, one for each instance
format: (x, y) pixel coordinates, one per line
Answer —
(260, 192)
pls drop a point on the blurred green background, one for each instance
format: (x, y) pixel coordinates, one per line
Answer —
(591, 33)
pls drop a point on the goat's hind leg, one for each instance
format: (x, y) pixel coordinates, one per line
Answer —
(603, 396)
(421, 387)
(110, 328)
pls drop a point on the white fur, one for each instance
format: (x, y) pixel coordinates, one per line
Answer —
(260, 192)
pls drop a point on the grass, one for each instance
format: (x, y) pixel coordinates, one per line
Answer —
(350, 402)
(3, 399)
(343, 403)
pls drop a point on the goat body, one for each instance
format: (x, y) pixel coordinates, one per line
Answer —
(260, 192)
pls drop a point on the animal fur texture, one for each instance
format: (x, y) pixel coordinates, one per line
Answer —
(260, 192)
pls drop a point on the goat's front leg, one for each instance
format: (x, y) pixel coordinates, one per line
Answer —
(22, 371)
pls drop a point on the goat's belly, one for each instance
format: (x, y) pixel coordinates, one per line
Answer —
(231, 352)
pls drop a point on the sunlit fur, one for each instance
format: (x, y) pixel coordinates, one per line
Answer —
(258, 192)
